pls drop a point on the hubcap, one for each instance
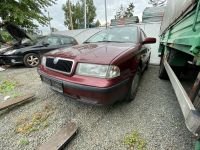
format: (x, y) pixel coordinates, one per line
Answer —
(33, 60)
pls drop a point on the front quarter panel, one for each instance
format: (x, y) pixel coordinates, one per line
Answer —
(128, 62)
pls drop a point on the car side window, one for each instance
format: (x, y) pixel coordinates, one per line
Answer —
(67, 40)
(53, 41)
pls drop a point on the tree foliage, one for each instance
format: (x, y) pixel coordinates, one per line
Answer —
(78, 13)
(97, 23)
(91, 11)
(157, 3)
(120, 13)
(129, 11)
(125, 12)
(25, 13)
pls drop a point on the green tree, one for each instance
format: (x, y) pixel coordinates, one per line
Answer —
(25, 13)
(129, 11)
(67, 13)
(125, 12)
(78, 14)
(91, 11)
(157, 3)
(120, 13)
(97, 23)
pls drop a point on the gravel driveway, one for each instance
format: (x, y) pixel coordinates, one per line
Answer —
(154, 114)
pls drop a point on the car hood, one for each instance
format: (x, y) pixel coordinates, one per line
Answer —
(102, 53)
(15, 31)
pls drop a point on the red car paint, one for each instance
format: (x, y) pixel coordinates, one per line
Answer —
(100, 91)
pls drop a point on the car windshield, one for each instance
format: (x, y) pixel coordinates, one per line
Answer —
(119, 35)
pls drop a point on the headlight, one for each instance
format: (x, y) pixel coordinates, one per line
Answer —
(43, 60)
(10, 52)
(94, 70)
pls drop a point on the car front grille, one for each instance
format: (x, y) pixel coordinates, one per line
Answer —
(59, 64)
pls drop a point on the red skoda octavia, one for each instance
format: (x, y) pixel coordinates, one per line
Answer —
(103, 70)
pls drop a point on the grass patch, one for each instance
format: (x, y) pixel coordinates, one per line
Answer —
(15, 95)
(23, 141)
(134, 142)
(7, 86)
(37, 121)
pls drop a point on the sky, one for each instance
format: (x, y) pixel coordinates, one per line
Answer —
(57, 13)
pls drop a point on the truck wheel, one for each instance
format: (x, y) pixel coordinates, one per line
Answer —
(31, 60)
(134, 86)
(177, 70)
(162, 71)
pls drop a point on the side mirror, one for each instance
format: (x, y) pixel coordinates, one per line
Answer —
(149, 40)
(45, 44)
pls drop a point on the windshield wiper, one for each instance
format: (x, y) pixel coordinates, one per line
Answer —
(86, 42)
(110, 41)
(104, 41)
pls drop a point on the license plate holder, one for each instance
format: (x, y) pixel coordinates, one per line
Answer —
(55, 85)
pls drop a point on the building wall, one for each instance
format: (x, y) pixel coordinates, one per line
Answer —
(153, 30)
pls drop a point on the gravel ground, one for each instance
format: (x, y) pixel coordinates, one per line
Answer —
(154, 114)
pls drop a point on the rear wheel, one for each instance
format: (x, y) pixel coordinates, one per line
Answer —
(162, 71)
(31, 60)
(134, 86)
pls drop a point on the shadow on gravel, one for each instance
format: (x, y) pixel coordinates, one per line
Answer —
(14, 67)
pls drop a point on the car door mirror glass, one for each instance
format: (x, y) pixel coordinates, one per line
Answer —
(149, 40)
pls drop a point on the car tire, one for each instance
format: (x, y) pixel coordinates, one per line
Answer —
(134, 86)
(147, 64)
(31, 60)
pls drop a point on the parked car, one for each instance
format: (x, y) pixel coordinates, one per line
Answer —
(27, 51)
(103, 70)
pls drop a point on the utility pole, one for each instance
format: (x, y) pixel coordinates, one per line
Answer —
(85, 17)
(70, 15)
(106, 14)
(49, 22)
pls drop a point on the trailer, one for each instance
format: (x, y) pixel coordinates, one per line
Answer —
(180, 55)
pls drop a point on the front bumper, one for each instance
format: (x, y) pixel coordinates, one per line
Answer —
(10, 60)
(90, 94)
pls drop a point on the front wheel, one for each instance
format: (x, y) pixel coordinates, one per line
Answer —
(147, 64)
(31, 60)
(134, 86)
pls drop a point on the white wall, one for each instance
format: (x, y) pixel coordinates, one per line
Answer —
(152, 30)
(81, 35)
